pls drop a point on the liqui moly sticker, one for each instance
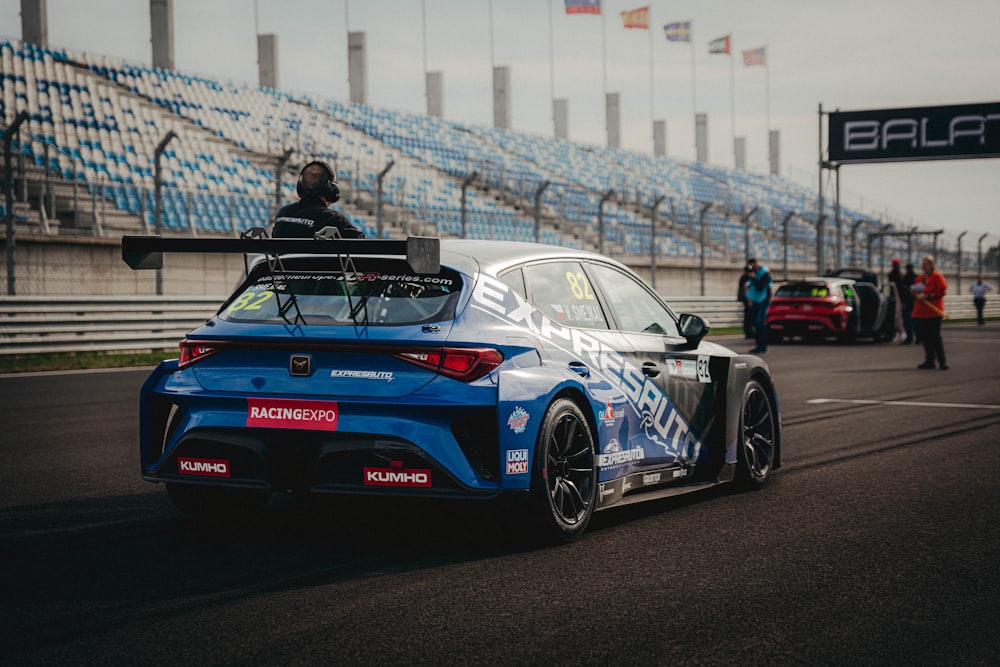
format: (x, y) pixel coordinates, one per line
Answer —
(292, 413)
(203, 467)
(517, 461)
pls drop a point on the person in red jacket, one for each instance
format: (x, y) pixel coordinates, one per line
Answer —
(928, 312)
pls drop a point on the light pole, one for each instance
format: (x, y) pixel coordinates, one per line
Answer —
(746, 232)
(958, 271)
(378, 204)
(784, 244)
(158, 198)
(465, 186)
(600, 219)
(538, 209)
(979, 252)
(701, 233)
(652, 240)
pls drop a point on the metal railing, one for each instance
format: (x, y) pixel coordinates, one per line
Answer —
(36, 325)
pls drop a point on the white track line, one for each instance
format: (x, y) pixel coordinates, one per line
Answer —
(973, 406)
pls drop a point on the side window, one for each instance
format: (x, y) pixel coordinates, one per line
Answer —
(562, 292)
(635, 306)
(515, 280)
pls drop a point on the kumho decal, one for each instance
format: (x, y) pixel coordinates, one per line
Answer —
(663, 423)
(291, 413)
(203, 467)
(397, 477)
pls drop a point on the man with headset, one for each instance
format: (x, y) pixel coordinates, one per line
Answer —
(317, 189)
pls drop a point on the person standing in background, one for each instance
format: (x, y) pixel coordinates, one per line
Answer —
(928, 312)
(905, 297)
(909, 278)
(759, 296)
(741, 296)
(979, 290)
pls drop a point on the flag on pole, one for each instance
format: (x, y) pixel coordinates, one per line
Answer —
(583, 6)
(637, 18)
(720, 45)
(755, 57)
(678, 32)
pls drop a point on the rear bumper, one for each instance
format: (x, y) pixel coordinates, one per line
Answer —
(300, 462)
(811, 326)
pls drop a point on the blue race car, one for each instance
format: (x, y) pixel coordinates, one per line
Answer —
(448, 368)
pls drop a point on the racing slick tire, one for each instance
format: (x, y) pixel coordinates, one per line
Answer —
(757, 438)
(213, 504)
(564, 474)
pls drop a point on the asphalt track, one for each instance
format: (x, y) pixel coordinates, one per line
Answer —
(877, 543)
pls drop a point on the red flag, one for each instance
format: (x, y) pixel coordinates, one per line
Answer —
(720, 45)
(583, 6)
(637, 18)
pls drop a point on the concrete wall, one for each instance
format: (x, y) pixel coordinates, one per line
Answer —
(267, 61)
(58, 266)
(35, 22)
(357, 68)
(161, 19)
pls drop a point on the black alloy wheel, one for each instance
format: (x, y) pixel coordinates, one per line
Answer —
(564, 481)
(758, 437)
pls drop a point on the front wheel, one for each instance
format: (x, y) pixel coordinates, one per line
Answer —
(564, 475)
(758, 438)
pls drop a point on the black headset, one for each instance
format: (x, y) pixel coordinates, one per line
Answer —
(328, 190)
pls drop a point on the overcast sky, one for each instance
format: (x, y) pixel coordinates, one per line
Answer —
(846, 54)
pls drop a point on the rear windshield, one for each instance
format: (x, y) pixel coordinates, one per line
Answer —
(318, 292)
(801, 290)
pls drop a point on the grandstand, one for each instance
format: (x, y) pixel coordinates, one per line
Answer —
(84, 163)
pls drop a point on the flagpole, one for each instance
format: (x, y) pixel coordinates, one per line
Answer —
(652, 94)
(732, 97)
(694, 98)
(423, 23)
(767, 98)
(604, 80)
(552, 72)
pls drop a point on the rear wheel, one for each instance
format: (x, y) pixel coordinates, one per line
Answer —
(564, 476)
(758, 438)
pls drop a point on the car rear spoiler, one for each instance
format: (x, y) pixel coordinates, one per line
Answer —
(423, 253)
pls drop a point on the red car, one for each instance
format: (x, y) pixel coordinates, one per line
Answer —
(832, 307)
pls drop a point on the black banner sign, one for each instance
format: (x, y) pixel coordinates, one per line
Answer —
(921, 133)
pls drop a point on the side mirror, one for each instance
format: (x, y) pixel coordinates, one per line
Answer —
(693, 328)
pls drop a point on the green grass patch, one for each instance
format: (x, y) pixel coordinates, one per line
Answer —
(63, 361)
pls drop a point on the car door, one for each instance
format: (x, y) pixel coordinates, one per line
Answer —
(581, 340)
(678, 403)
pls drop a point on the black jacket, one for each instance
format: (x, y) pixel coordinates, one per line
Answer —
(309, 215)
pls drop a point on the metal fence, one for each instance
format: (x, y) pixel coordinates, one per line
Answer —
(34, 325)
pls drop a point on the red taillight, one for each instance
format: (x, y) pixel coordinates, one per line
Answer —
(461, 363)
(193, 351)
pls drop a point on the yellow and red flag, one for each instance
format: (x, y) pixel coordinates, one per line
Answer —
(636, 18)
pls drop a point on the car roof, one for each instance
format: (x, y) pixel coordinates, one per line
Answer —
(494, 256)
(826, 280)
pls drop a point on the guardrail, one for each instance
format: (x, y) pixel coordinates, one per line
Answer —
(35, 325)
